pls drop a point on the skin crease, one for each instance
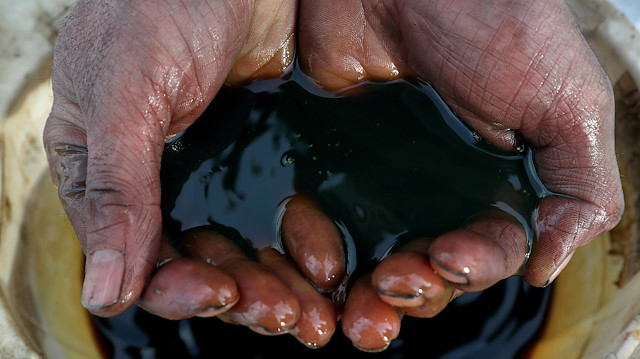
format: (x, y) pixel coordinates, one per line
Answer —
(266, 305)
(514, 71)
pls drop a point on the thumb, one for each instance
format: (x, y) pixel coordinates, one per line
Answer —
(122, 215)
(108, 181)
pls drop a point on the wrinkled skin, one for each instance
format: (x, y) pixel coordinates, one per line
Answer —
(129, 75)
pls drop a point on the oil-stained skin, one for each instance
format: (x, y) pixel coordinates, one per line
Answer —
(187, 287)
(307, 232)
(210, 276)
(373, 309)
(318, 317)
(276, 313)
(370, 323)
(414, 288)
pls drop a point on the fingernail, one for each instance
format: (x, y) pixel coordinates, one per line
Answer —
(264, 331)
(559, 270)
(213, 311)
(400, 300)
(450, 275)
(103, 279)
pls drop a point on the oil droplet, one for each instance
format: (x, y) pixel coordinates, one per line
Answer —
(287, 159)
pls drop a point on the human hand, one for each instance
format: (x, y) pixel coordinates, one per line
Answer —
(512, 71)
(126, 77)
(383, 43)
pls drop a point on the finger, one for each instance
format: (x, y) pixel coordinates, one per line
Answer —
(563, 225)
(370, 323)
(270, 45)
(407, 281)
(185, 287)
(113, 203)
(318, 318)
(356, 53)
(119, 235)
(313, 242)
(482, 253)
(266, 304)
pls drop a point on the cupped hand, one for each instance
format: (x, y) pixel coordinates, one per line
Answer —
(126, 77)
(518, 74)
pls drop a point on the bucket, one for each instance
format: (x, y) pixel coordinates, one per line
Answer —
(594, 310)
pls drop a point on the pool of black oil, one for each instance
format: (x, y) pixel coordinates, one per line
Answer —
(388, 162)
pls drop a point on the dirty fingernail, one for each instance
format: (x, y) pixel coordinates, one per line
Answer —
(450, 275)
(214, 311)
(559, 270)
(103, 279)
(399, 300)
